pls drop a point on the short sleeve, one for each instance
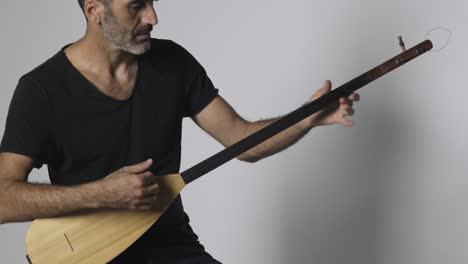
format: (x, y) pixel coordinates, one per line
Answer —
(27, 125)
(201, 92)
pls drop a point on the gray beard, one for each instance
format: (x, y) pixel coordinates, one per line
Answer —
(118, 38)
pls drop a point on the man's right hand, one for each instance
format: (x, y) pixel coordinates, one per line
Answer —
(131, 187)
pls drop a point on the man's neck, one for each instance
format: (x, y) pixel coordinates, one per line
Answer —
(98, 57)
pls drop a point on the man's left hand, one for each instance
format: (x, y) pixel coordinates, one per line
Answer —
(335, 113)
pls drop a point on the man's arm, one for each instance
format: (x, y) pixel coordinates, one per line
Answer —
(22, 201)
(131, 187)
(222, 122)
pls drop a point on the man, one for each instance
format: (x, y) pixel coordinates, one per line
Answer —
(100, 107)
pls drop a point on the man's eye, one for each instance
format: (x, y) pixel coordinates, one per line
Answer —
(137, 5)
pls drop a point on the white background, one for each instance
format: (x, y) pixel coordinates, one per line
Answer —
(390, 190)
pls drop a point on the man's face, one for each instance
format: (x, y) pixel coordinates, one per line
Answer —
(127, 24)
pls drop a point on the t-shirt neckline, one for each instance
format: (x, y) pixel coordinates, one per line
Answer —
(93, 87)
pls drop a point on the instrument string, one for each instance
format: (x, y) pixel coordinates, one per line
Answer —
(443, 29)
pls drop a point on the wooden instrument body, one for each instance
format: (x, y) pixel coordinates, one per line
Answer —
(96, 236)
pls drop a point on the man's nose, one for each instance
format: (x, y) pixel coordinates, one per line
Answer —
(150, 16)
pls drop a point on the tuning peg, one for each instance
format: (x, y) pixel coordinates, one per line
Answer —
(402, 44)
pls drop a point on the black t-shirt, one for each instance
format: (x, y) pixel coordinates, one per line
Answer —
(59, 118)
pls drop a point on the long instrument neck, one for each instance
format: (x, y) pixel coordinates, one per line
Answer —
(301, 113)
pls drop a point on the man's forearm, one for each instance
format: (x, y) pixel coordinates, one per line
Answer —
(21, 201)
(276, 143)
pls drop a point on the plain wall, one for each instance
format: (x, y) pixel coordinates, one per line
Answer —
(390, 190)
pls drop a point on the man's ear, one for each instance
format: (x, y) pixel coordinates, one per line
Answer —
(94, 11)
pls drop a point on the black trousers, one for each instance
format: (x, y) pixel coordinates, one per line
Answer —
(170, 241)
(166, 257)
(180, 253)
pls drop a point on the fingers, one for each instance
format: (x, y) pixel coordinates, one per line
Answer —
(147, 183)
(150, 190)
(144, 207)
(345, 101)
(352, 98)
(138, 168)
(148, 198)
(355, 97)
(347, 123)
(147, 178)
(326, 88)
(346, 110)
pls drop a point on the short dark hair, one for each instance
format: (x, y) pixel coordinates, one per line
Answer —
(81, 3)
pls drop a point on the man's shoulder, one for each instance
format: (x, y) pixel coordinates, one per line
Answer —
(50, 69)
(159, 45)
(170, 54)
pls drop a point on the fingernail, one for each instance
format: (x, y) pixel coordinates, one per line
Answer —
(149, 160)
